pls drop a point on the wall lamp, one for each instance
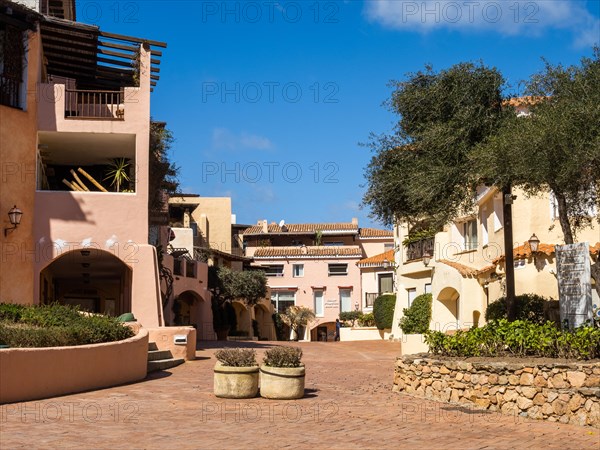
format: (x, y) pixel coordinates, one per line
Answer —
(534, 244)
(426, 258)
(386, 264)
(14, 216)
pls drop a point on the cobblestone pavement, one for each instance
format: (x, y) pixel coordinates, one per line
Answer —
(348, 404)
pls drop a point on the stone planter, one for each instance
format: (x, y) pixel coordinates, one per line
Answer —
(282, 383)
(235, 382)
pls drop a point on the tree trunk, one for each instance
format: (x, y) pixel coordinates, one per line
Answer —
(563, 217)
(595, 269)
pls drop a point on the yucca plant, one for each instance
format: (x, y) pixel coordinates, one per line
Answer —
(118, 173)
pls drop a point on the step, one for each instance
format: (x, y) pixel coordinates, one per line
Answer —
(152, 346)
(163, 364)
(155, 355)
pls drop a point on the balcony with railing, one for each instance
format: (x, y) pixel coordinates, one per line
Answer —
(98, 105)
(416, 249)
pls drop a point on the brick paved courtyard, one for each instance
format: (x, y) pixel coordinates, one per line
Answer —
(349, 404)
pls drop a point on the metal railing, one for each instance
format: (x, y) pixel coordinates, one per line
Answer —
(85, 104)
(416, 250)
(9, 91)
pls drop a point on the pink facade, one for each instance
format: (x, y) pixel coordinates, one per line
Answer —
(315, 266)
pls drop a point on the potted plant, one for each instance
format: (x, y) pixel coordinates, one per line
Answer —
(235, 373)
(282, 374)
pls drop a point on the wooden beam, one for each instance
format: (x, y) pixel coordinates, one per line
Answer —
(129, 56)
(122, 37)
(131, 48)
(115, 62)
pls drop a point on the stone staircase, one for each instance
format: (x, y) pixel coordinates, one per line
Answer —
(161, 359)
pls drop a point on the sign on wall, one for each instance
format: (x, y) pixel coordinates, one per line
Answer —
(574, 283)
(332, 303)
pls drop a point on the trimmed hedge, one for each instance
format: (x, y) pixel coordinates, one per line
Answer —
(383, 311)
(283, 357)
(518, 338)
(417, 317)
(528, 307)
(56, 325)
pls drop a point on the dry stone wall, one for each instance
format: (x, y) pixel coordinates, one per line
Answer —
(557, 392)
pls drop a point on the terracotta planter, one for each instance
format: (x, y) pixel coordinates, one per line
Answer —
(282, 383)
(235, 382)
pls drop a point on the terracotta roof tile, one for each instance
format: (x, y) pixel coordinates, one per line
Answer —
(465, 271)
(377, 260)
(375, 233)
(520, 252)
(522, 101)
(352, 251)
(303, 228)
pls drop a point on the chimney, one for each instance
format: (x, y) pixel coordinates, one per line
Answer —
(354, 221)
(265, 227)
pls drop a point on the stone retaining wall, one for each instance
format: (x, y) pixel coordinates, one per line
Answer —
(565, 393)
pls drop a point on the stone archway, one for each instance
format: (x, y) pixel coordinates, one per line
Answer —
(264, 321)
(243, 318)
(187, 311)
(95, 280)
(446, 313)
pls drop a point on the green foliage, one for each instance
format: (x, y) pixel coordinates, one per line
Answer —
(162, 172)
(556, 147)
(518, 338)
(236, 357)
(424, 168)
(350, 316)
(279, 327)
(56, 325)
(416, 318)
(383, 311)
(527, 306)
(227, 285)
(416, 236)
(118, 174)
(283, 357)
(366, 320)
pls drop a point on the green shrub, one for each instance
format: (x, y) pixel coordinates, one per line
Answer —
(283, 357)
(383, 311)
(56, 325)
(518, 338)
(236, 357)
(350, 316)
(367, 320)
(528, 307)
(416, 318)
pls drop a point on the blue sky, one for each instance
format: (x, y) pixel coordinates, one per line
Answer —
(268, 101)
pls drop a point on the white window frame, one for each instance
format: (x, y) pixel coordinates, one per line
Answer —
(469, 225)
(300, 273)
(275, 298)
(319, 302)
(411, 294)
(272, 266)
(336, 274)
(349, 297)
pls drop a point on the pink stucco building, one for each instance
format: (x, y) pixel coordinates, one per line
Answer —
(315, 265)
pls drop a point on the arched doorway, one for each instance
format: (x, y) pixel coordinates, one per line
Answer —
(323, 332)
(264, 323)
(243, 319)
(95, 280)
(447, 310)
(187, 311)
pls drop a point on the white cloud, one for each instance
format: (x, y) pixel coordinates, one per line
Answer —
(509, 18)
(224, 139)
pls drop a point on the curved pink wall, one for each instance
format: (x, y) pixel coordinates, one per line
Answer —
(34, 373)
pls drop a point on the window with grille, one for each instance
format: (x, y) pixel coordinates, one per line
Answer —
(11, 65)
